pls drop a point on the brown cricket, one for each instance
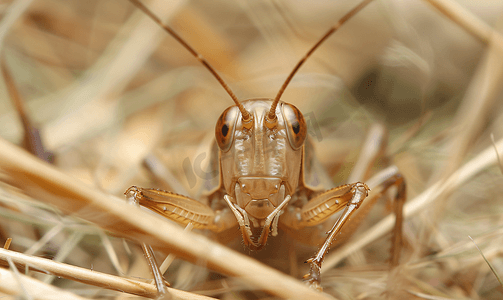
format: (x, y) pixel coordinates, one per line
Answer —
(268, 176)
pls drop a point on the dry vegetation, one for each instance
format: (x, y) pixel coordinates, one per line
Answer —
(106, 88)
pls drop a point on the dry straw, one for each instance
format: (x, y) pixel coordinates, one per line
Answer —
(109, 90)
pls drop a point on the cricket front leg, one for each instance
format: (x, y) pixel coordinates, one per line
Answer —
(351, 196)
(181, 209)
(357, 192)
(160, 283)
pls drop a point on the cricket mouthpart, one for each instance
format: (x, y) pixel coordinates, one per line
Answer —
(259, 196)
(256, 237)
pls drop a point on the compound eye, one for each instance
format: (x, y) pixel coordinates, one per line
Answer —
(295, 125)
(224, 130)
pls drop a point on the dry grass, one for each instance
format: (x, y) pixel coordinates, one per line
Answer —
(106, 88)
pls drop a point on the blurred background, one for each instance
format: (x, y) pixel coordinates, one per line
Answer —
(106, 87)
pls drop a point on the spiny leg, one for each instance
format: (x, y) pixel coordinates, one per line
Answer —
(160, 283)
(398, 181)
(359, 192)
(181, 209)
(380, 183)
(398, 202)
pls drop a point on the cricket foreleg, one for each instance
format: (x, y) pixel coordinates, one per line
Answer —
(358, 192)
(181, 209)
(379, 184)
(160, 283)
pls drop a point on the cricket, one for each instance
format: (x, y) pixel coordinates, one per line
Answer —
(265, 167)
(250, 150)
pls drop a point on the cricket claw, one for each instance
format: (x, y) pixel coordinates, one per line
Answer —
(313, 278)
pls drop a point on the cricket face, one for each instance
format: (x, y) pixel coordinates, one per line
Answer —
(260, 165)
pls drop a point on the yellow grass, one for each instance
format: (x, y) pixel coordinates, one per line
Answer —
(107, 88)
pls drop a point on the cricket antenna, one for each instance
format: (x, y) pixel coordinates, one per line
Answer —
(246, 115)
(271, 117)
